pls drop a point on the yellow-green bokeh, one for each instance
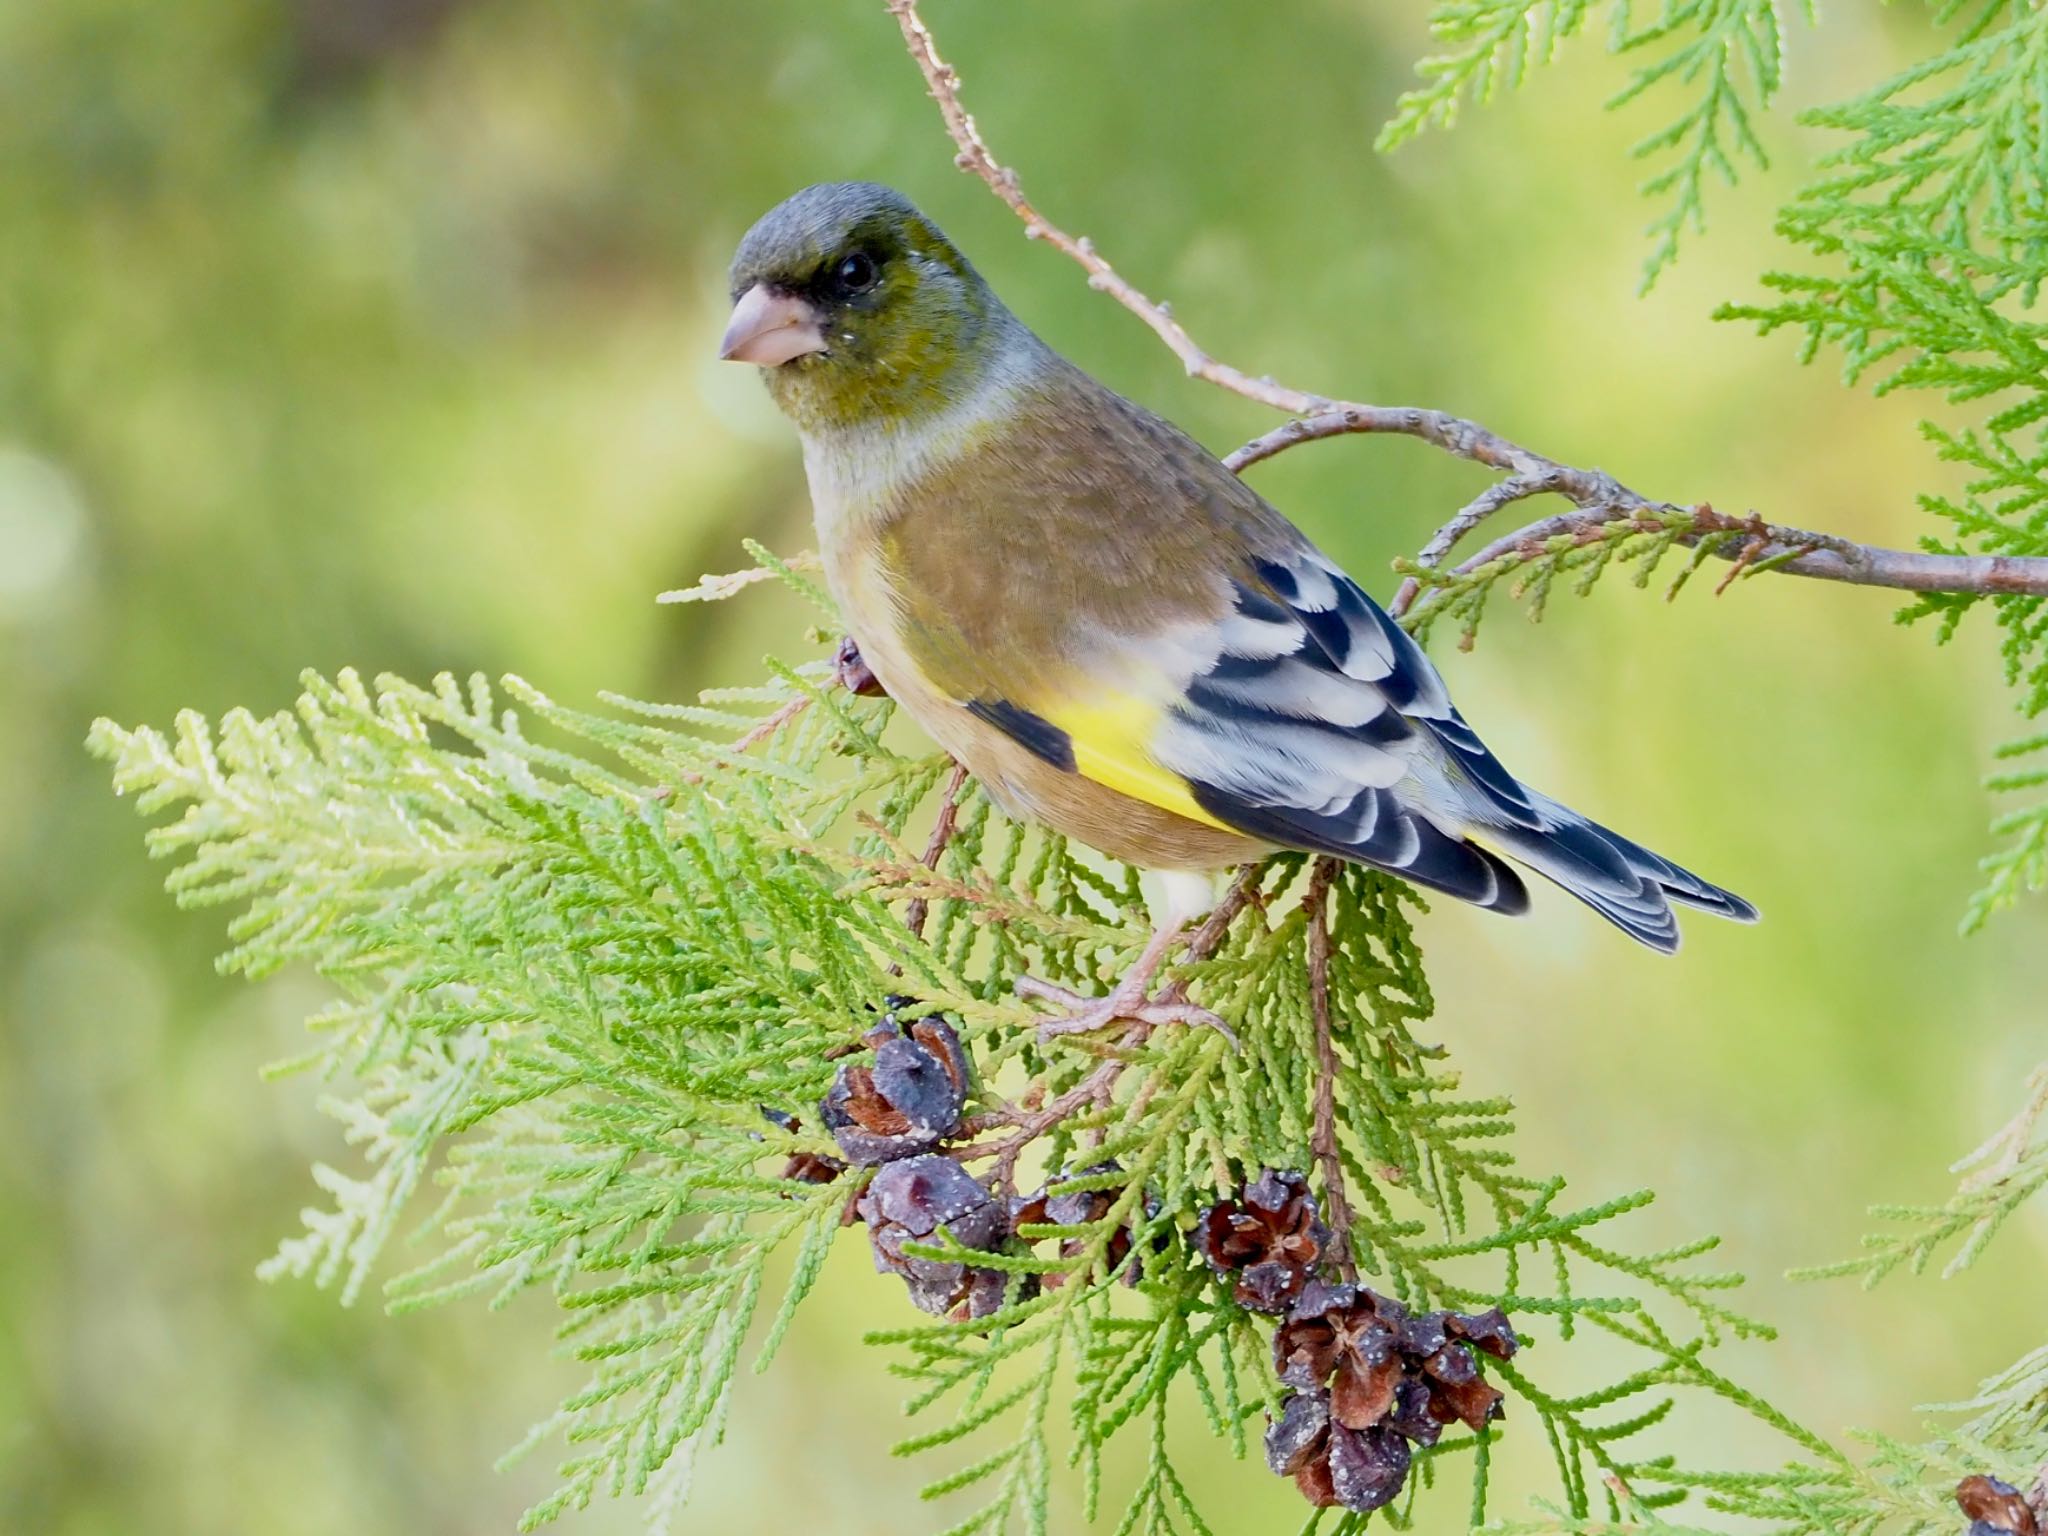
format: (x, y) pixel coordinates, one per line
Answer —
(380, 334)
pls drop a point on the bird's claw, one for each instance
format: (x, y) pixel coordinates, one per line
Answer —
(1084, 1015)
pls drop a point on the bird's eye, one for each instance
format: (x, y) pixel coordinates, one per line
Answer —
(857, 273)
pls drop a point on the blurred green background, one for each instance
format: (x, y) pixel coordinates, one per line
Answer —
(380, 332)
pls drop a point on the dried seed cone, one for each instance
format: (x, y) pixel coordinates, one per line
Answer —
(906, 1099)
(1996, 1508)
(909, 1201)
(1370, 1379)
(1268, 1241)
(1360, 1470)
(802, 1167)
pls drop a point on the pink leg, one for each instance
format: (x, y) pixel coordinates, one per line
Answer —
(1130, 1000)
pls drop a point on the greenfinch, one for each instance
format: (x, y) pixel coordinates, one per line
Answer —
(1119, 637)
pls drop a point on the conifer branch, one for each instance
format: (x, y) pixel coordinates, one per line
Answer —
(2009, 1170)
(1973, 158)
(1725, 54)
(576, 972)
(943, 828)
(1749, 543)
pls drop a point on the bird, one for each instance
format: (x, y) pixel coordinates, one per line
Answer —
(1120, 638)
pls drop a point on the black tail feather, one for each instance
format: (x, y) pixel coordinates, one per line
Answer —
(1623, 881)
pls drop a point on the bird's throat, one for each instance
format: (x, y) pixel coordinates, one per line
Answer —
(862, 474)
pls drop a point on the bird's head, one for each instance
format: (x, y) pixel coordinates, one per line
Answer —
(858, 311)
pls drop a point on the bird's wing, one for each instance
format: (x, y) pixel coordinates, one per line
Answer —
(1319, 724)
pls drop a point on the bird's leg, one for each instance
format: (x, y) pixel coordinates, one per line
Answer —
(1132, 997)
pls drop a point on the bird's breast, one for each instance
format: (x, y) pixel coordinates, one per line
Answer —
(1022, 782)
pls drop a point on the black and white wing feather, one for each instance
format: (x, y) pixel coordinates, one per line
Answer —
(1320, 725)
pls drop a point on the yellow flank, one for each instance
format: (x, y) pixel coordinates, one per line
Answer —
(1109, 734)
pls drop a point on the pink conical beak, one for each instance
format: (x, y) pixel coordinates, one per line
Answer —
(770, 328)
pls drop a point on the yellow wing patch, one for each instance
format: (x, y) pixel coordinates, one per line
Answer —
(1109, 735)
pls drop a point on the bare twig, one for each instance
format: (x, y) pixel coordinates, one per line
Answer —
(1481, 507)
(1753, 548)
(1819, 556)
(1455, 435)
(1323, 1139)
(1088, 1091)
(974, 156)
(1243, 892)
(1603, 507)
(942, 833)
(986, 899)
(759, 733)
(1597, 494)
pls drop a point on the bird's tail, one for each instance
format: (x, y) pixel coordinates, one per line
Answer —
(1624, 882)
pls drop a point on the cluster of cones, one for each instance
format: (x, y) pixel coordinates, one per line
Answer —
(1370, 1380)
(893, 1109)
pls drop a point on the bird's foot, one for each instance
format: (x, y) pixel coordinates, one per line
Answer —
(851, 671)
(1129, 1002)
